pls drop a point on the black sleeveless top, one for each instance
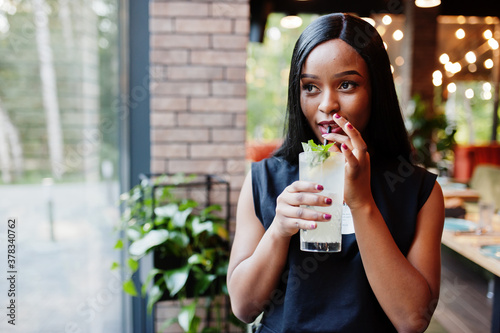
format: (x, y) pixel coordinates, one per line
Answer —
(329, 292)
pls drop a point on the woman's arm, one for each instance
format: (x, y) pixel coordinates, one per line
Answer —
(407, 288)
(258, 256)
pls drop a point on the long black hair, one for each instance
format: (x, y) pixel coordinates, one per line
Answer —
(385, 133)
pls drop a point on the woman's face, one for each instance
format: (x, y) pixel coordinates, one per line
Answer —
(335, 79)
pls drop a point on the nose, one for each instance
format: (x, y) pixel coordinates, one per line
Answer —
(329, 102)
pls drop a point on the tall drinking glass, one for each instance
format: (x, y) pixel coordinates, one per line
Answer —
(329, 172)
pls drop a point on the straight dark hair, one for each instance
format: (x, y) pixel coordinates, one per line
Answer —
(385, 133)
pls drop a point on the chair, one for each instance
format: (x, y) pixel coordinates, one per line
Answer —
(486, 180)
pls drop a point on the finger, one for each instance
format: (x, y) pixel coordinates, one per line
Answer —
(304, 186)
(356, 140)
(305, 225)
(351, 160)
(338, 139)
(304, 213)
(308, 199)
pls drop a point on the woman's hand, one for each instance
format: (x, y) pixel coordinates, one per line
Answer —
(357, 190)
(290, 216)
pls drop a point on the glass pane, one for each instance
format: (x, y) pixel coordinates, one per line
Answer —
(58, 165)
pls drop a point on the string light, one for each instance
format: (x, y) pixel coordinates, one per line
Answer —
(487, 34)
(398, 35)
(444, 58)
(386, 20)
(493, 43)
(470, 57)
(488, 63)
(451, 87)
(460, 33)
(469, 93)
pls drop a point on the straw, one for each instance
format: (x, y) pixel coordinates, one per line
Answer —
(328, 130)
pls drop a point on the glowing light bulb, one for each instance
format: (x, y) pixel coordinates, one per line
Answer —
(444, 58)
(398, 35)
(460, 33)
(493, 43)
(386, 20)
(487, 34)
(488, 63)
(451, 87)
(470, 57)
(469, 93)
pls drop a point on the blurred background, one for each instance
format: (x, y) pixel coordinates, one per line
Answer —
(95, 93)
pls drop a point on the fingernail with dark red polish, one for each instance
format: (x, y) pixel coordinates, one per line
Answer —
(344, 146)
(328, 201)
(319, 187)
(327, 216)
(336, 115)
(349, 126)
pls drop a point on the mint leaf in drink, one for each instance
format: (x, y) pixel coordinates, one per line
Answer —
(322, 149)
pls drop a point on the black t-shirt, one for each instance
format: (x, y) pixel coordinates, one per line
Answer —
(329, 292)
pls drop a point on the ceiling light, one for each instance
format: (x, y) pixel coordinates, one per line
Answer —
(427, 3)
(398, 35)
(291, 22)
(460, 33)
(461, 19)
(444, 58)
(452, 87)
(488, 63)
(387, 19)
(470, 57)
(487, 86)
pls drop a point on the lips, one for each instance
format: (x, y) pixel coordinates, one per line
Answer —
(323, 127)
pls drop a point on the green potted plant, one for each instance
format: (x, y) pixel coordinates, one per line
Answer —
(431, 135)
(190, 245)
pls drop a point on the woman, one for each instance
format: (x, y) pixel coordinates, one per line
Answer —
(387, 276)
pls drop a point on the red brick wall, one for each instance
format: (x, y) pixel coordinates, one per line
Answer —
(198, 95)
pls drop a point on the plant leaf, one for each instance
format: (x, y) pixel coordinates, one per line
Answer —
(151, 239)
(129, 287)
(152, 273)
(179, 218)
(167, 210)
(155, 293)
(133, 233)
(133, 264)
(203, 282)
(199, 227)
(115, 265)
(186, 316)
(176, 279)
(196, 258)
(179, 238)
(119, 244)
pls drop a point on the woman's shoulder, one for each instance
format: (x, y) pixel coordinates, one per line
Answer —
(274, 171)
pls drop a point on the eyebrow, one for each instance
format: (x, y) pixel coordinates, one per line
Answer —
(352, 72)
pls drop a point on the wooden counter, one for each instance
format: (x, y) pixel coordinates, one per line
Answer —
(469, 246)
